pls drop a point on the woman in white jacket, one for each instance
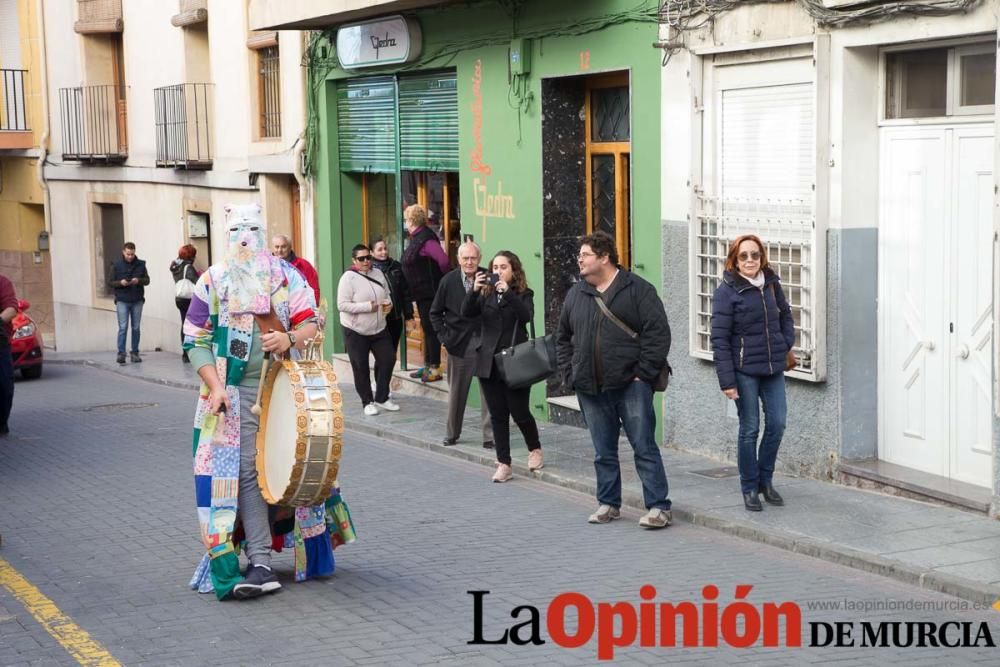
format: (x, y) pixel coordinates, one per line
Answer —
(364, 300)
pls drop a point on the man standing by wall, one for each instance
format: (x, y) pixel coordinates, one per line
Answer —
(128, 278)
(613, 372)
(8, 310)
(460, 337)
(282, 247)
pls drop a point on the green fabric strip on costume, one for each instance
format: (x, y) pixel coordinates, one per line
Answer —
(225, 573)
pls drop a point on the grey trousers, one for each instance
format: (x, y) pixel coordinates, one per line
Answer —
(460, 372)
(252, 508)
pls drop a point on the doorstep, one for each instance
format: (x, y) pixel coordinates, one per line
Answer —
(910, 483)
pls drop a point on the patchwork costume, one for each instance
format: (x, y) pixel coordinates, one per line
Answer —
(221, 319)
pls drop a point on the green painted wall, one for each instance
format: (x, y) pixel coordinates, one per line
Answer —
(474, 40)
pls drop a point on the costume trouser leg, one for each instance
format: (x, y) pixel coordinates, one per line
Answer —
(252, 508)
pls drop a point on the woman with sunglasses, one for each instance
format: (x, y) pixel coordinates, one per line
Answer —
(752, 339)
(364, 301)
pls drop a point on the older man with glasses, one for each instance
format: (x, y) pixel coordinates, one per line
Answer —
(460, 336)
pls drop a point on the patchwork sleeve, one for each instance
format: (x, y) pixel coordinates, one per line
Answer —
(201, 320)
(301, 300)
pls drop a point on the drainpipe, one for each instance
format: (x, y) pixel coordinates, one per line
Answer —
(43, 142)
(305, 193)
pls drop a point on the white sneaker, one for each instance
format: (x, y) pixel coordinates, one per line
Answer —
(388, 405)
(604, 514)
(371, 410)
(657, 518)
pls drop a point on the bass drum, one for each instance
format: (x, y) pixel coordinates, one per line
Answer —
(301, 433)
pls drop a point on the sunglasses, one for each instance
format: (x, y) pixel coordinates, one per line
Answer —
(744, 256)
(363, 258)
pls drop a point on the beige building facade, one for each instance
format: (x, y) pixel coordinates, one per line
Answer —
(163, 113)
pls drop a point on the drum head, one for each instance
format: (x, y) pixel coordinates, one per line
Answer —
(279, 440)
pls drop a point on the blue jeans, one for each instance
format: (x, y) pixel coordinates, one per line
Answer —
(126, 310)
(606, 413)
(757, 465)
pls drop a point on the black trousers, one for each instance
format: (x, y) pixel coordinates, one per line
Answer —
(505, 403)
(432, 345)
(6, 384)
(395, 329)
(182, 306)
(358, 346)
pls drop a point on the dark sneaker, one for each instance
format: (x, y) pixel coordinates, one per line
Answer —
(121, 358)
(135, 358)
(417, 374)
(259, 580)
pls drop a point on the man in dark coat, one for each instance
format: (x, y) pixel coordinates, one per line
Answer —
(460, 336)
(128, 278)
(613, 372)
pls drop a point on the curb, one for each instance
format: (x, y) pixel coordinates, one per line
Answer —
(939, 582)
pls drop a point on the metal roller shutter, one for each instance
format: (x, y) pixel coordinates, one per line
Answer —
(428, 120)
(366, 122)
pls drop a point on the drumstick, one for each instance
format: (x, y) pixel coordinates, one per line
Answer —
(263, 374)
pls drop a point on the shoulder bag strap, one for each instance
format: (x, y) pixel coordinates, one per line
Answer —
(611, 316)
(372, 280)
(531, 327)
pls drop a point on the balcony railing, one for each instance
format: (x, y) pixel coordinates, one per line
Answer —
(183, 125)
(13, 110)
(94, 123)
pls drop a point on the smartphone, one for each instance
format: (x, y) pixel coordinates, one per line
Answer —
(493, 279)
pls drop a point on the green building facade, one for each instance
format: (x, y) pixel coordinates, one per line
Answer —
(522, 128)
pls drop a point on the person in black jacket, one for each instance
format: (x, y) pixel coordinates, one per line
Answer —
(752, 339)
(460, 336)
(182, 268)
(424, 263)
(128, 277)
(613, 373)
(504, 304)
(402, 303)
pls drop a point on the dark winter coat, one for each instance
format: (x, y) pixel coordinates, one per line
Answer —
(122, 270)
(752, 329)
(422, 273)
(453, 330)
(402, 302)
(594, 353)
(183, 268)
(503, 323)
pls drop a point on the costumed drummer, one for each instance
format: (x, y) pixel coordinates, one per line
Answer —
(223, 337)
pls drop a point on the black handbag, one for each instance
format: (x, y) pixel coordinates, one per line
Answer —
(663, 379)
(529, 362)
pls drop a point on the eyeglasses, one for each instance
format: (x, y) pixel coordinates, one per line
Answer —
(363, 258)
(584, 255)
(744, 256)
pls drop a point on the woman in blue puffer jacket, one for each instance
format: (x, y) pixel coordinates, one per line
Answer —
(752, 339)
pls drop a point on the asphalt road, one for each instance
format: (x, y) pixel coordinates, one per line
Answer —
(97, 518)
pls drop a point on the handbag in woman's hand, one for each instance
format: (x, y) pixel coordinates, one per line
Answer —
(790, 361)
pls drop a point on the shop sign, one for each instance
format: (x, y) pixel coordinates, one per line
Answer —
(386, 41)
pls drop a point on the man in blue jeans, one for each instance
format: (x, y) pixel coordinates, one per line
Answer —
(127, 278)
(611, 353)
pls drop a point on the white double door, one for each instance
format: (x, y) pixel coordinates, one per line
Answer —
(936, 300)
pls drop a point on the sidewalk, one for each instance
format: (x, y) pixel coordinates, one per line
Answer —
(938, 548)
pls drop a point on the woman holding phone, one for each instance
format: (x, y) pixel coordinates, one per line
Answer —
(504, 304)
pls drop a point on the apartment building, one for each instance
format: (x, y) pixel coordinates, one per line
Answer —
(162, 113)
(24, 128)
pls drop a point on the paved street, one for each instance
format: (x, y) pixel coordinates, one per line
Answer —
(98, 514)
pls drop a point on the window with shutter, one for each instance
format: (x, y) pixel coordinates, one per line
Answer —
(759, 175)
(366, 122)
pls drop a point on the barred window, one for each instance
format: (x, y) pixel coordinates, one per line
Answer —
(269, 91)
(759, 162)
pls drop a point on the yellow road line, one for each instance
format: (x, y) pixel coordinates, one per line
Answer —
(70, 636)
